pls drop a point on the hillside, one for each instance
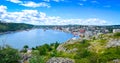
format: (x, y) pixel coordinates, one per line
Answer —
(104, 48)
(5, 27)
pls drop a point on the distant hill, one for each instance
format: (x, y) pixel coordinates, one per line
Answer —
(5, 27)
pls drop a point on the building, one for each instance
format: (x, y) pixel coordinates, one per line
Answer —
(116, 30)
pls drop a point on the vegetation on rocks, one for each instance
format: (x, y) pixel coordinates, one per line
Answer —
(94, 50)
(41, 54)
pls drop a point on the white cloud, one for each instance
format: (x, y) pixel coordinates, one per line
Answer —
(33, 4)
(15, 1)
(95, 21)
(30, 3)
(2, 9)
(41, 18)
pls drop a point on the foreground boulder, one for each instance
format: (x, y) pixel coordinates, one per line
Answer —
(60, 60)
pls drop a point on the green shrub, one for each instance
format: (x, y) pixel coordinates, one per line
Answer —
(117, 34)
(9, 55)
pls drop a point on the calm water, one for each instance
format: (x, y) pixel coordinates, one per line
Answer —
(33, 38)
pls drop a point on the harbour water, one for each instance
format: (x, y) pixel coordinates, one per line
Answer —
(33, 38)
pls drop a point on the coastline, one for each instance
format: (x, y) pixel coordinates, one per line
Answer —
(8, 32)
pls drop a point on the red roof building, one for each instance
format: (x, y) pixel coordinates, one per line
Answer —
(82, 30)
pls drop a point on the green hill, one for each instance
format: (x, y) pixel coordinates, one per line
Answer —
(5, 27)
(104, 48)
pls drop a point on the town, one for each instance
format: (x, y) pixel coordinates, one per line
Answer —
(85, 31)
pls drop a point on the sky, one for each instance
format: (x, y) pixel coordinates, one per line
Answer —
(61, 12)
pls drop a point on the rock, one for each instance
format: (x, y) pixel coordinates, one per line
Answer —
(113, 43)
(60, 60)
(116, 61)
(62, 48)
(71, 50)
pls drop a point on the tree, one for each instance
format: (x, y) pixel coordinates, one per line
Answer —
(9, 55)
(26, 46)
(56, 45)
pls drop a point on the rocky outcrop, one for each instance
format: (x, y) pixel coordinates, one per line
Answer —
(113, 43)
(60, 60)
(62, 47)
(115, 61)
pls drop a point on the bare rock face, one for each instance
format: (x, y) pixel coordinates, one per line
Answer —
(113, 43)
(62, 47)
(115, 61)
(60, 60)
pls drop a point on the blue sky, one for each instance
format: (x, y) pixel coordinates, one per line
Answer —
(61, 12)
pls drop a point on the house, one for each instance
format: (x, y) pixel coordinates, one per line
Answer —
(116, 30)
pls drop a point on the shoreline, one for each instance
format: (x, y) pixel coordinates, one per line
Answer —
(8, 32)
(27, 30)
